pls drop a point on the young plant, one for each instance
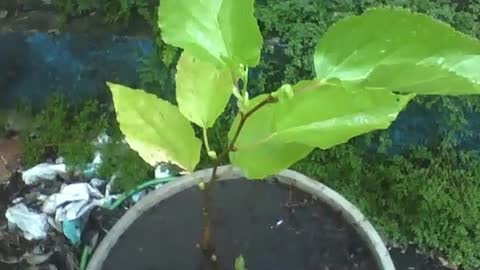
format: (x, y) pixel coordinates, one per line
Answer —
(240, 263)
(368, 68)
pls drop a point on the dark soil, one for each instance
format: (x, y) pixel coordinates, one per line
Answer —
(247, 217)
(410, 259)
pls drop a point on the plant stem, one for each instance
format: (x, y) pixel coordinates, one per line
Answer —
(205, 139)
(207, 194)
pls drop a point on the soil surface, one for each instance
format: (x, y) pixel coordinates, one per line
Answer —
(271, 225)
(411, 259)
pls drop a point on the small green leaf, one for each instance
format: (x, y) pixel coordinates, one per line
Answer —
(155, 128)
(240, 263)
(319, 115)
(202, 90)
(394, 49)
(222, 32)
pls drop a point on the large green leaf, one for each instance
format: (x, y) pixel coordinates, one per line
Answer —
(155, 128)
(219, 31)
(395, 49)
(268, 156)
(203, 90)
(319, 115)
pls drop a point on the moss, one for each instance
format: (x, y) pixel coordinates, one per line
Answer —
(126, 165)
(112, 10)
(61, 129)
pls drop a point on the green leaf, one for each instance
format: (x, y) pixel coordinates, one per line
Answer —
(222, 32)
(202, 90)
(240, 263)
(394, 49)
(327, 115)
(319, 115)
(155, 128)
(268, 157)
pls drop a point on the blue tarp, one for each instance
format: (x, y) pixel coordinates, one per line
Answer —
(35, 65)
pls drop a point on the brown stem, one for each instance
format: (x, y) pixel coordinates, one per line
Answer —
(207, 194)
(243, 119)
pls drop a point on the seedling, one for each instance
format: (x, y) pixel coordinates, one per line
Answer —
(240, 263)
(368, 68)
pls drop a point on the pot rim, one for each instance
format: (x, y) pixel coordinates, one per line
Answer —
(318, 190)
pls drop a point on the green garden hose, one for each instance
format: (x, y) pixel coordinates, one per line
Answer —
(137, 189)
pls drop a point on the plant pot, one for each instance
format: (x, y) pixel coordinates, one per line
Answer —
(287, 222)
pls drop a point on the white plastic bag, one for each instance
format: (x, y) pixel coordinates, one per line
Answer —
(44, 171)
(34, 225)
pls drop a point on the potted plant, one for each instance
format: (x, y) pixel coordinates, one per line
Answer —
(368, 68)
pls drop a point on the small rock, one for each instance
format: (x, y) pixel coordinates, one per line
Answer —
(3, 14)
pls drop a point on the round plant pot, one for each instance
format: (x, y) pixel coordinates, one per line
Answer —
(288, 221)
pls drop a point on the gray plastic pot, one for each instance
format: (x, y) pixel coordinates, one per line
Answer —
(289, 177)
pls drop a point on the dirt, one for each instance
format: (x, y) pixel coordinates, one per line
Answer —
(262, 221)
(411, 259)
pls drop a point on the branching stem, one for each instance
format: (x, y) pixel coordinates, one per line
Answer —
(207, 226)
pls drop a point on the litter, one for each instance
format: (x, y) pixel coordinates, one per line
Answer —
(92, 167)
(101, 139)
(60, 160)
(44, 172)
(37, 256)
(72, 206)
(72, 229)
(137, 196)
(67, 207)
(76, 209)
(70, 193)
(97, 183)
(161, 172)
(34, 225)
